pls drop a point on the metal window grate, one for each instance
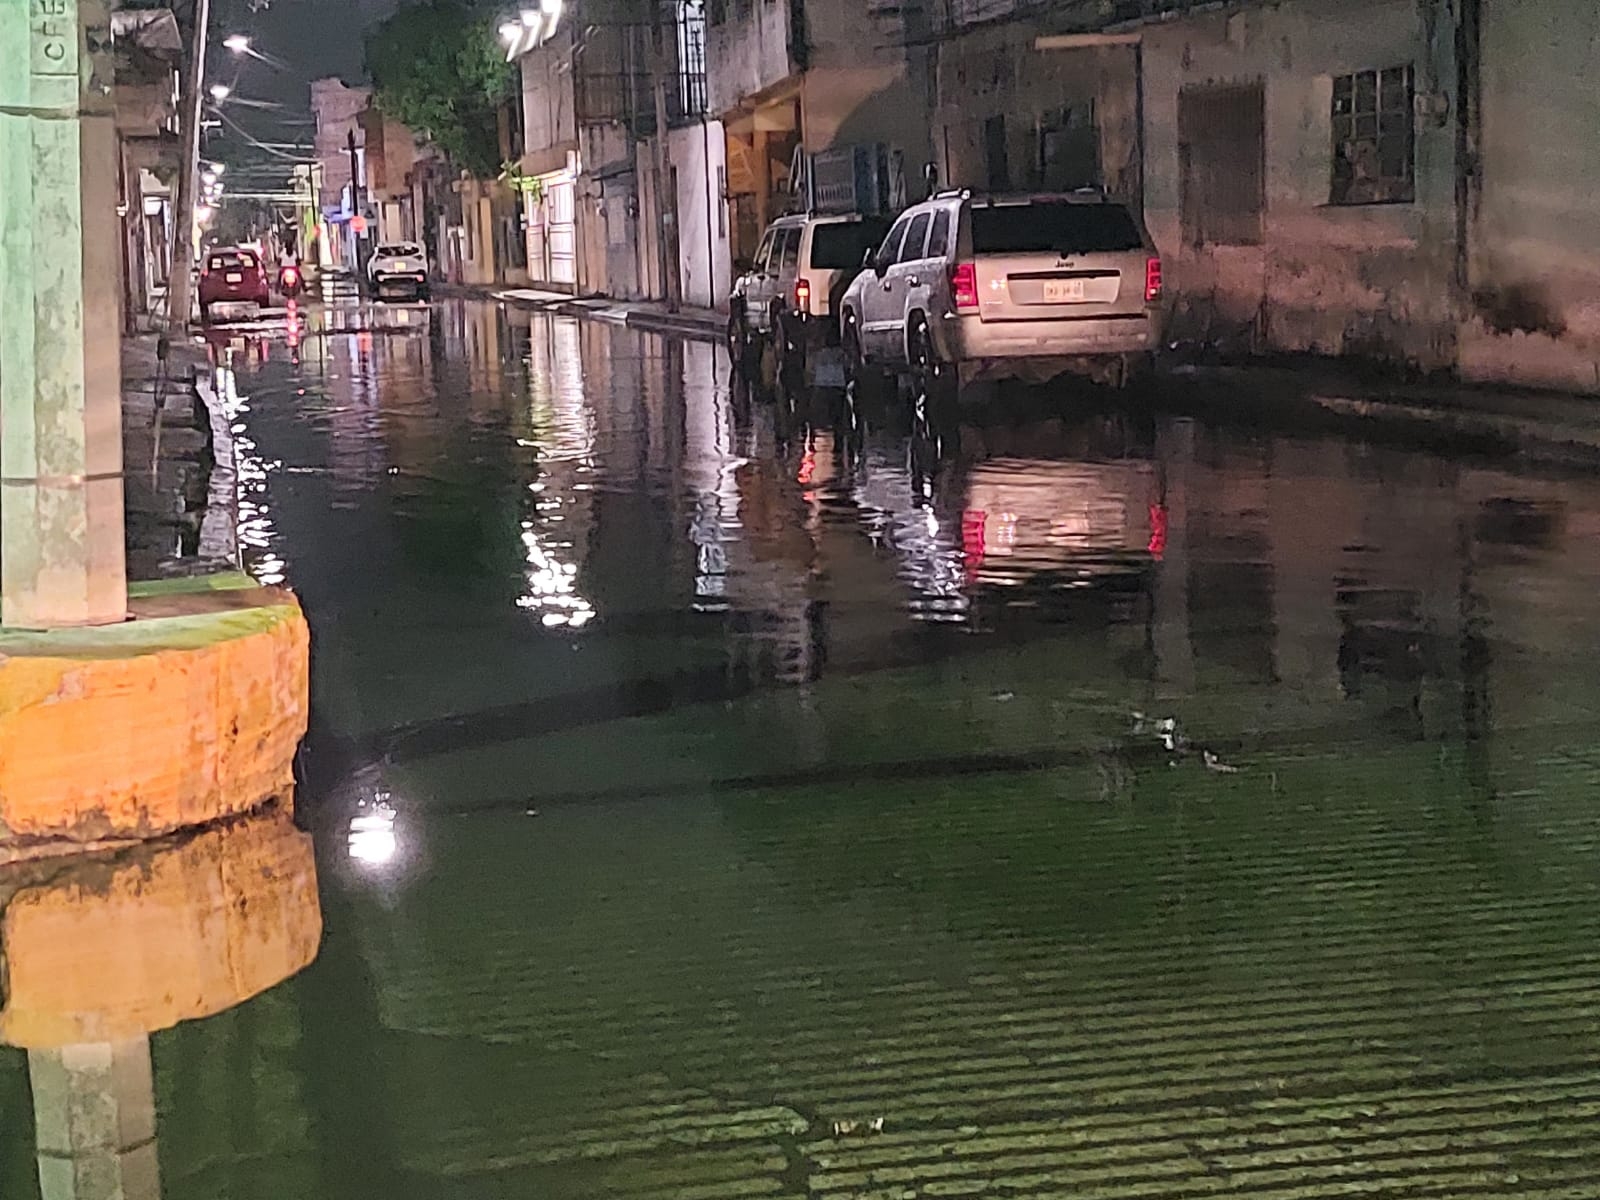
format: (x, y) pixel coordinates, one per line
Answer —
(1374, 137)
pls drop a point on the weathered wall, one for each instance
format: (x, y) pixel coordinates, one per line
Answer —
(995, 71)
(337, 108)
(1374, 279)
(855, 81)
(704, 259)
(548, 110)
(1536, 250)
(748, 52)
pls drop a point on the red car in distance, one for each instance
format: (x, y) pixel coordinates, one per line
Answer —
(233, 282)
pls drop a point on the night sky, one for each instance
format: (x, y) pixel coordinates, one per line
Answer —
(316, 38)
(313, 39)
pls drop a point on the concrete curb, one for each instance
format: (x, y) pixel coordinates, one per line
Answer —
(617, 312)
(700, 328)
(219, 538)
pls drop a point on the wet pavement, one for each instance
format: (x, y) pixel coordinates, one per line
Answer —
(713, 799)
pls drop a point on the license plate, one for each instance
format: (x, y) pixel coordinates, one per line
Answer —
(234, 277)
(1063, 291)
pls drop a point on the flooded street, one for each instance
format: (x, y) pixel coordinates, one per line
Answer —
(711, 800)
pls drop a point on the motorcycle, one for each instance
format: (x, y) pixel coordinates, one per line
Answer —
(290, 281)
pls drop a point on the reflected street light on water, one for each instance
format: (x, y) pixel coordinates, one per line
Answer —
(373, 840)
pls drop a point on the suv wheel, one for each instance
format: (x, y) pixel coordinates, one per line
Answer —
(931, 379)
(862, 380)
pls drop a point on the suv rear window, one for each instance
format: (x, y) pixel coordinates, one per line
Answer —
(1058, 227)
(233, 260)
(841, 245)
(399, 250)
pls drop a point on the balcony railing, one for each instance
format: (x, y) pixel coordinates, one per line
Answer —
(629, 99)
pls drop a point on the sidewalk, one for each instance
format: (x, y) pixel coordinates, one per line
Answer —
(178, 478)
(702, 323)
(1542, 426)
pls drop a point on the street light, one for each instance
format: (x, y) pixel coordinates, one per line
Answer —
(237, 42)
(220, 92)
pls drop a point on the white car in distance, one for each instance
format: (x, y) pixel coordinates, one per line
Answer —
(398, 269)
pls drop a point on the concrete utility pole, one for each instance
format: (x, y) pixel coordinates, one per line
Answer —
(62, 550)
(180, 284)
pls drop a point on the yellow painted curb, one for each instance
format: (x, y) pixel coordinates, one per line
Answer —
(189, 713)
(115, 948)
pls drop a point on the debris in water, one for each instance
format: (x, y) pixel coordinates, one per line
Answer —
(1213, 763)
(849, 1128)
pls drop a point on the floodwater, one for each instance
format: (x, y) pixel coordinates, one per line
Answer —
(717, 801)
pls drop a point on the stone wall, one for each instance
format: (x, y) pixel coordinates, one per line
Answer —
(1535, 277)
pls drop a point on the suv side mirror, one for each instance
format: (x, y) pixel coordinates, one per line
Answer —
(878, 262)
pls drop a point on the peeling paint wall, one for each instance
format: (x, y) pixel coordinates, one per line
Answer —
(1535, 268)
(1372, 280)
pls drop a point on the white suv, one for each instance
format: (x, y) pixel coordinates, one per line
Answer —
(398, 268)
(1007, 286)
(786, 298)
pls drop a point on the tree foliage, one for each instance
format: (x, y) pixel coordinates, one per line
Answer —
(438, 67)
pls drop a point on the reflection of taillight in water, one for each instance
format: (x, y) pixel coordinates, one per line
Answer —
(291, 325)
(1158, 531)
(808, 467)
(974, 530)
(964, 285)
(1152, 280)
(802, 295)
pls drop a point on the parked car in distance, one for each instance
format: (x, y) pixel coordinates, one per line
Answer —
(233, 283)
(398, 269)
(1007, 286)
(787, 297)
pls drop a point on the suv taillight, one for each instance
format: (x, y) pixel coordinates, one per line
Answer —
(1152, 280)
(802, 295)
(964, 284)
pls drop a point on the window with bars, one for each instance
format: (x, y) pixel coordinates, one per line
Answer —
(691, 25)
(1374, 137)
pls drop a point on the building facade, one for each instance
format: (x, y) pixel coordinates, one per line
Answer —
(792, 78)
(341, 157)
(1401, 180)
(621, 170)
(149, 59)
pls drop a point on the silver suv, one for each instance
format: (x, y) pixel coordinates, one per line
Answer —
(1007, 286)
(786, 298)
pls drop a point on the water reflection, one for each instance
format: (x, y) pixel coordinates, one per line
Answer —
(1033, 800)
(100, 953)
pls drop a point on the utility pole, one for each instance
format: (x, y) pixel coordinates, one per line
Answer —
(180, 284)
(356, 221)
(663, 58)
(62, 549)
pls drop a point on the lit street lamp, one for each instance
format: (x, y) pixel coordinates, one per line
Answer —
(220, 92)
(237, 42)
